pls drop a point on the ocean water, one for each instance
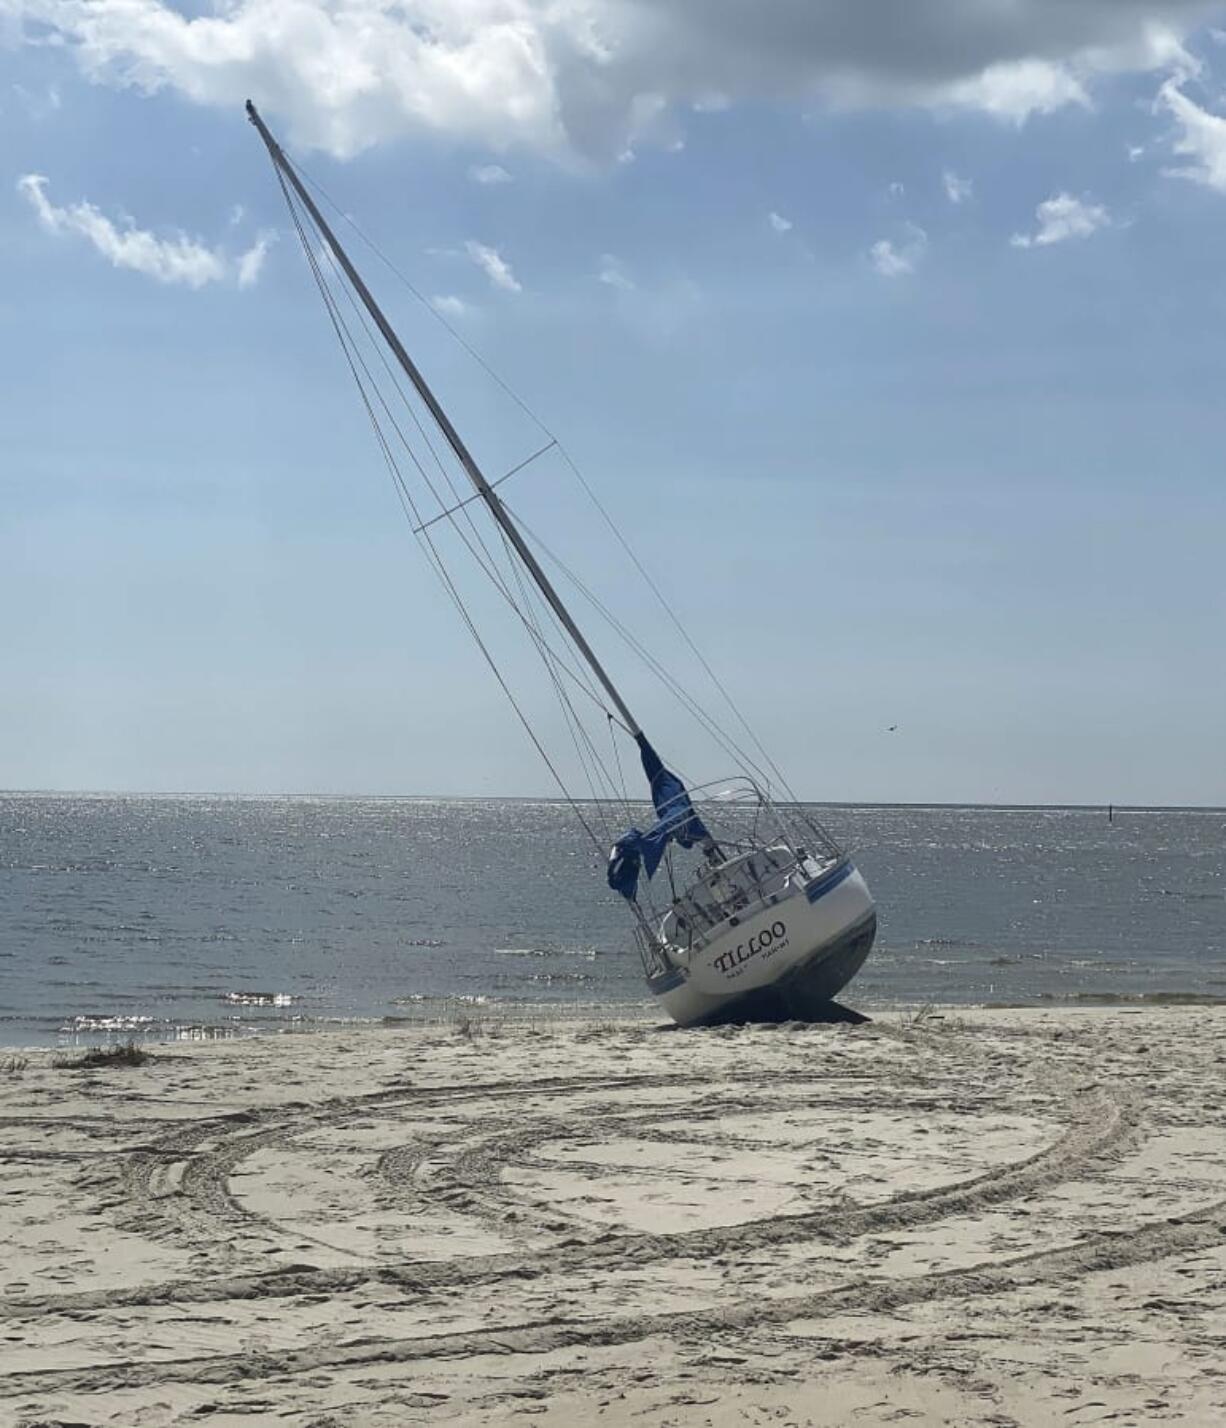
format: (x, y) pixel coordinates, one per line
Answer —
(199, 916)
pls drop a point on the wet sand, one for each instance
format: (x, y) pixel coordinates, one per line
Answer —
(970, 1217)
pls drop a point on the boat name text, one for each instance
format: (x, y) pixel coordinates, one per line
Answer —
(772, 938)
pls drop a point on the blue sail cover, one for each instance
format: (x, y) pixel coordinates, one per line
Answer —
(635, 851)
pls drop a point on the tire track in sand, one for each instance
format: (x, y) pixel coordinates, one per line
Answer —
(1101, 1124)
(178, 1187)
(1091, 1255)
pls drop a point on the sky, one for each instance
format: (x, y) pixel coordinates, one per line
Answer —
(893, 334)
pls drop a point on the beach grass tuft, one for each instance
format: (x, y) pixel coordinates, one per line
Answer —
(920, 1017)
(13, 1065)
(927, 1020)
(125, 1053)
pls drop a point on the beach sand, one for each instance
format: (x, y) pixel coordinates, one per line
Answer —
(966, 1217)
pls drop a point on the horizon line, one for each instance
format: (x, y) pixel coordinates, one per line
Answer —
(1011, 806)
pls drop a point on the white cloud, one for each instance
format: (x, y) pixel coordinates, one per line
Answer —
(614, 275)
(1202, 138)
(888, 261)
(896, 189)
(251, 263)
(1135, 152)
(493, 265)
(596, 77)
(489, 174)
(778, 222)
(1060, 218)
(1016, 90)
(177, 259)
(896, 260)
(957, 190)
(449, 305)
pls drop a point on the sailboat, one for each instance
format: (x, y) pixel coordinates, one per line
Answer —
(743, 906)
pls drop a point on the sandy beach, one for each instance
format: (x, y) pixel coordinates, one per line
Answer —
(983, 1217)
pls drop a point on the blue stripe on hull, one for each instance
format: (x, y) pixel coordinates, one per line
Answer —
(828, 881)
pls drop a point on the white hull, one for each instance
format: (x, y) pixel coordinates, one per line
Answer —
(787, 957)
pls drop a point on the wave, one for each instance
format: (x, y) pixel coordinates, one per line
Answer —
(588, 953)
(107, 1023)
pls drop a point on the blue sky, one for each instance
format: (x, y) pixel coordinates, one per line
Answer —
(895, 336)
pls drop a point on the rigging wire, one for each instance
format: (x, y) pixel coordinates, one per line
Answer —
(621, 777)
(574, 725)
(549, 657)
(591, 760)
(486, 560)
(409, 505)
(725, 741)
(609, 791)
(598, 778)
(528, 411)
(672, 615)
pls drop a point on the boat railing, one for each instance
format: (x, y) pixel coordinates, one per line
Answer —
(755, 848)
(726, 798)
(650, 952)
(735, 889)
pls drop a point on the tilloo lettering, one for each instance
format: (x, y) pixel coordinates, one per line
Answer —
(770, 939)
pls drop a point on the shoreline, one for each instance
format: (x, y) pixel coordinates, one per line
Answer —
(963, 1215)
(443, 1012)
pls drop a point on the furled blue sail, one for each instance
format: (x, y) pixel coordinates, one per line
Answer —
(636, 852)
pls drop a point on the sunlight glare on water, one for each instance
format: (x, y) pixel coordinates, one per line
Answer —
(199, 915)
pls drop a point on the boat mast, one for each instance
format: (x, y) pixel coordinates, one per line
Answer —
(454, 440)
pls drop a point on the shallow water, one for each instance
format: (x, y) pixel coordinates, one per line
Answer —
(204, 915)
